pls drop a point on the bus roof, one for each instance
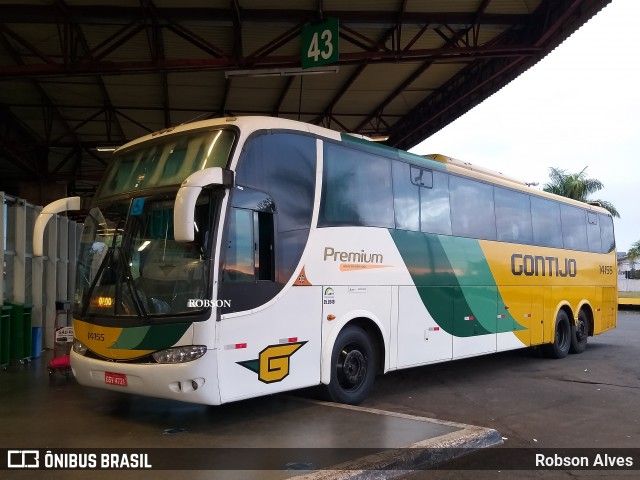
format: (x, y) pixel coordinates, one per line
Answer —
(435, 161)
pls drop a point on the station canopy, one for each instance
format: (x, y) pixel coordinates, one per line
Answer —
(80, 76)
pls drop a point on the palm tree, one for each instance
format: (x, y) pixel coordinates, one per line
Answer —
(633, 254)
(577, 186)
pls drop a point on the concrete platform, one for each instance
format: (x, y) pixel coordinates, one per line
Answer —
(628, 302)
(277, 437)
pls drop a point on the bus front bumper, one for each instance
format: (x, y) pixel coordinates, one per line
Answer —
(194, 382)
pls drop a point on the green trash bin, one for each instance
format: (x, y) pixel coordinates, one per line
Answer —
(5, 332)
(27, 334)
(20, 334)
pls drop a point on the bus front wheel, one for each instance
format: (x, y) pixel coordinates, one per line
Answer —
(562, 338)
(580, 333)
(353, 367)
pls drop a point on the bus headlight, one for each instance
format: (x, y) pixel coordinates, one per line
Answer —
(180, 354)
(79, 347)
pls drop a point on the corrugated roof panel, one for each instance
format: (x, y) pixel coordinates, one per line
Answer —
(407, 100)
(315, 86)
(16, 92)
(196, 91)
(32, 117)
(192, 3)
(43, 37)
(435, 76)
(153, 120)
(256, 37)
(135, 48)
(135, 90)
(489, 32)
(513, 6)
(177, 47)
(80, 3)
(77, 93)
(442, 6)
(280, 5)
(192, 97)
(371, 35)
(255, 94)
(377, 5)
(218, 36)
(428, 40)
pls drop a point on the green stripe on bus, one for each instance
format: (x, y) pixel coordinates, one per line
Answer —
(468, 259)
(454, 282)
(156, 337)
(130, 338)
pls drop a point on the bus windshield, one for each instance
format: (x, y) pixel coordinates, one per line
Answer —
(130, 266)
(166, 161)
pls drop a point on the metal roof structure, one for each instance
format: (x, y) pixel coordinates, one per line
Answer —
(79, 75)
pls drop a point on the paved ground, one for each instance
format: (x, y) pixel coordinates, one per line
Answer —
(591, 400)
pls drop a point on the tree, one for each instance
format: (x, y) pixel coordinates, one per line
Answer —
(633, 254)
(577, 186)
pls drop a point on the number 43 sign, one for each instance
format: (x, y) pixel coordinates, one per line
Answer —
(320, 43)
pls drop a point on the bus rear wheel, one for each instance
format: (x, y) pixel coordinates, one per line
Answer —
(562, 338)
(580, 333)
(353, 362)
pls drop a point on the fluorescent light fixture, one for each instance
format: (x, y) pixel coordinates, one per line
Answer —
(370, 138)
(106, 149)
(144, 245)
(281, 72)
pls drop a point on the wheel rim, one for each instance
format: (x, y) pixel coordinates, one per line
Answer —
(352, 367)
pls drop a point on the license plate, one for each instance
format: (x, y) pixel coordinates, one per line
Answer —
(119, 379)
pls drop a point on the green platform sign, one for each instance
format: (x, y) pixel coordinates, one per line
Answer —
(320, 44)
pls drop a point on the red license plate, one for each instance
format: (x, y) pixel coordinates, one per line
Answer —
(119, 379)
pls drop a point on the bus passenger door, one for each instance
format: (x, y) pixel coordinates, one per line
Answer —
(424, 336)
(474, 321)
(268, 336)
(272, 349)
(537, 316)
(514, 317)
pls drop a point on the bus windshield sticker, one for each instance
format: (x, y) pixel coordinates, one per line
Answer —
(136, 207)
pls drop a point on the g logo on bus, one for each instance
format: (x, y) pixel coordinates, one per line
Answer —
(273, 363)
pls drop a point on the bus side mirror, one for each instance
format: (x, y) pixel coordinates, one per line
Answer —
(62, 205)
(185, 206)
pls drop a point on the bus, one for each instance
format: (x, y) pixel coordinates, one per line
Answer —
(237, 257)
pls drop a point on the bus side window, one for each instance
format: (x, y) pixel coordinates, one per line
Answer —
(435, 210)
(472, 208)
(250, 252)
(547, 229)
(513, 216)
(606, 233)
(593, 233)
(357, 188)
(574, 228)
(239, 254)
(406, 198)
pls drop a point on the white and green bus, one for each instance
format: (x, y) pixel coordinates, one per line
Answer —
(239, 257)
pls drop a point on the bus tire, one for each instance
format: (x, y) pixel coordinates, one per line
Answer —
(562, 338)
(353, 363)
(580, 333)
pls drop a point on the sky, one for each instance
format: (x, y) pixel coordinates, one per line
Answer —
(578, 107)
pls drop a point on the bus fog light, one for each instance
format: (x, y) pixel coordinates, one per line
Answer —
(180, 354)
(79, 347)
